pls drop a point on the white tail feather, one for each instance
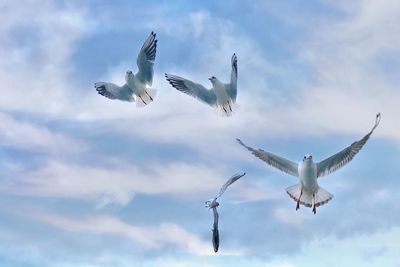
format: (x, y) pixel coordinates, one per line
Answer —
(321, 197)
(146, 98)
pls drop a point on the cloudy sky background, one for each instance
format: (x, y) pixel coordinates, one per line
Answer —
(86, 181)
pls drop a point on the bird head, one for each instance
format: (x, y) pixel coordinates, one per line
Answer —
(307, 157)
(213, 79)
(129, 75)
(212, 203)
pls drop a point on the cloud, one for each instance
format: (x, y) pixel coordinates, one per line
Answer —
(29, 136)
(151, 238)
(116, 183)
(38, 43)
(350, 57)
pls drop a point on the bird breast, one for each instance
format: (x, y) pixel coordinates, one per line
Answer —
(220, 92)
(308, 175)
(137, 86)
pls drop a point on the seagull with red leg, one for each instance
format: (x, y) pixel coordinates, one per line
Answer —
(137, 86)
(222, 96)
(307, 192)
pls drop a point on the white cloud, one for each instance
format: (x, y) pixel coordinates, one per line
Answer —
(351, 81)
(118, 183)
(151, 238)
(34, 137)
(37, 40)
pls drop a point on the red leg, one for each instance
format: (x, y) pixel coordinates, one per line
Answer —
(142, 100)
(298, 201)
(149, 96)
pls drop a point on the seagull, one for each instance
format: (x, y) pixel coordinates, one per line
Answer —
(308, 192)
(213, 204)
(221, 96)
(136, 87)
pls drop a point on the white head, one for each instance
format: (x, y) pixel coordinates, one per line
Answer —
(212, 203)
(129, 75)
(307, 157)
(213, 79)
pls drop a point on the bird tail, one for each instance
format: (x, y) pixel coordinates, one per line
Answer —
(146, 98)
(227, 109)
(322, 196)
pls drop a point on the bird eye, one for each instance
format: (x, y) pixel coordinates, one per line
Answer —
(213, 77)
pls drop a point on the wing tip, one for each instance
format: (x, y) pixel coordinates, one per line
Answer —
(240, 142)
(378, 118)
(377, 121)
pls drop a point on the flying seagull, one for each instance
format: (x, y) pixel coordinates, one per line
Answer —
(137, 86)
(213, 204)
(221, 96)
(307, 192)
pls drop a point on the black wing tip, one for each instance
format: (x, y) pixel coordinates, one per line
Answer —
(234, 57)
(377, 121)
(100, 88)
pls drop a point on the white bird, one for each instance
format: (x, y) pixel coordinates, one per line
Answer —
(213, 204)
(221, 96)
(136, 87)
(308, 192)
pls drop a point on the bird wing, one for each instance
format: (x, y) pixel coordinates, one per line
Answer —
(146, 58)
(215, 237)
(280, 163)
(340, 159)
(113, 91)
(193, 89)
(231, 87)
(215, 226)
(229, 182)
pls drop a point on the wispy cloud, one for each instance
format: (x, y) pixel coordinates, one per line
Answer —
(149, 237)
(25, 135)
(116, 183)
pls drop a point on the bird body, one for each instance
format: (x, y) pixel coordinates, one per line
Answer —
(308, 175)
(137, 87)
(307, 192)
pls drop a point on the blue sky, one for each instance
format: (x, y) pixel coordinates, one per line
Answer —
(86, 181)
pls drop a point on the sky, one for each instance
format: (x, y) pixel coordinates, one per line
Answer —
(90, 182)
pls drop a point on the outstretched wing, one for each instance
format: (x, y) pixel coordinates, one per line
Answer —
(145, 60)
(215, 237)
(340, 159)
(231, 88)
(229, 182)
(193, 89)
(282, 164)
(113, 91)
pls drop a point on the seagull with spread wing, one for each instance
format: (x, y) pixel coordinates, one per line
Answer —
(308, 192)
(137, 86)
(221, 96)
(213, 204)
